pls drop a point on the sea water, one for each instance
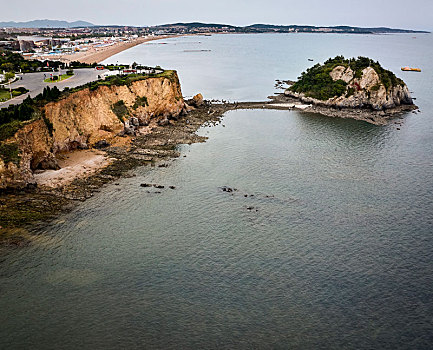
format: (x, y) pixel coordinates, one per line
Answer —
(327, 241)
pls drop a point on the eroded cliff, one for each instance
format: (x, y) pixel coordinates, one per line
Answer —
(81, 119)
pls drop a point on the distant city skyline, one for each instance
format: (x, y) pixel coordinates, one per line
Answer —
(369, 13)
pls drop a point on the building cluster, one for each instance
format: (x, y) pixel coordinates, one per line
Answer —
(49, 42)
(191, 29)
(52, 44)
(55, 41)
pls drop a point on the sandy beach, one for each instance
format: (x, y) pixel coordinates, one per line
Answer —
(81, 163)
(101, 54)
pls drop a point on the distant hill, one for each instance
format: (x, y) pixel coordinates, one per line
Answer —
(45, 23)
(198, 25)
(266, 28)
(334, 29)
(194, 27)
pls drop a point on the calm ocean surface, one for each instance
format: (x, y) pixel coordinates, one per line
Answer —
(333, 250)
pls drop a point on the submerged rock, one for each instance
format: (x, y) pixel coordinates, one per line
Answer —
(228, 189)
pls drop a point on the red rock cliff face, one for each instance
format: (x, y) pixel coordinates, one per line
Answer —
(84, 118)
(34, 144)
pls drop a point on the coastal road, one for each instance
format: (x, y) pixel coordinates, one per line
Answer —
(34, 82)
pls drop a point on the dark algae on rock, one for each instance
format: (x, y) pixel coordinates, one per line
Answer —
(22, 210)
(34, 132)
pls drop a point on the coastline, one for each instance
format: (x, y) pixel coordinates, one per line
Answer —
(104, 53)
(24, 211)
(87, 171)
(376, 117)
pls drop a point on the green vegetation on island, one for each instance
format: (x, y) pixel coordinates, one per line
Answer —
(317, 82)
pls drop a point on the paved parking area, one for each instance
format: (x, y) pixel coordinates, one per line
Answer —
(34, 82)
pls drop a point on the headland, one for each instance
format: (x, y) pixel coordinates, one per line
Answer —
(61, 147)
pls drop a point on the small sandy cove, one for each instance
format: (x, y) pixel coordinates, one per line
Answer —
(76, 164)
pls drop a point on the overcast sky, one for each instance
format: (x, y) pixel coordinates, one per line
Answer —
(416, 14)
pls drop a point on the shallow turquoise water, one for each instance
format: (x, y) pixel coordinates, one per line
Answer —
(333, 250)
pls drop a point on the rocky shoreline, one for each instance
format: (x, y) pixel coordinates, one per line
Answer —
(25, 211)
(358, 88)
(376, 117)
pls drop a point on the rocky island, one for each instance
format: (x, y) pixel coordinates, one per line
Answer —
(351, 88)
(61, 147)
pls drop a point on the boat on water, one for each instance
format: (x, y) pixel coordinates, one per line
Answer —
(196, 50)
(409, 69)
(310, 59)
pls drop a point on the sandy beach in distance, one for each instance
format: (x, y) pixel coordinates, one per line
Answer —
(99, 55)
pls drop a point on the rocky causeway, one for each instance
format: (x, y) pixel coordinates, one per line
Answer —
(98, 136)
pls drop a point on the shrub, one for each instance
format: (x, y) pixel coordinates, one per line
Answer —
(8, 130)
(49, 94)
(9, 152)
(317, 83)
(22, 90)
(48, 124)
(140, 102)
(350, 92)
(120, 110)
(21, 112)
(375, 87)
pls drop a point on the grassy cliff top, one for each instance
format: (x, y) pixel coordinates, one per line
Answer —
(15, 116)
(120, 80)
(316, 82)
